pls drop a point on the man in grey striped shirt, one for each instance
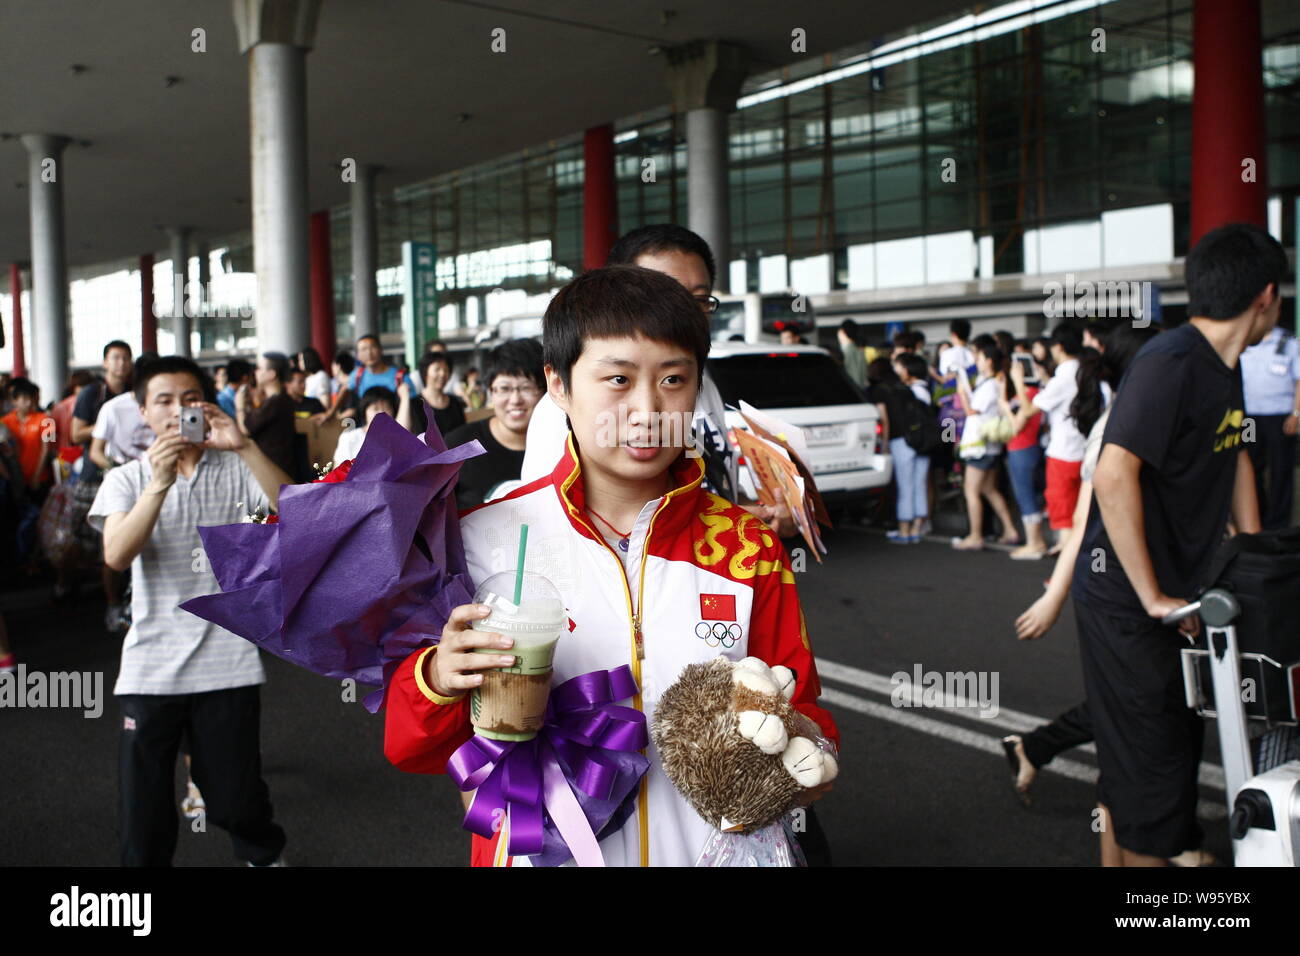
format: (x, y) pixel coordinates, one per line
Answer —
(179, 672)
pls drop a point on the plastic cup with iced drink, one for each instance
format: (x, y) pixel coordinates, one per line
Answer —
(510, 704)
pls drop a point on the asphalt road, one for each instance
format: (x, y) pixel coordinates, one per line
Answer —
(919, 786)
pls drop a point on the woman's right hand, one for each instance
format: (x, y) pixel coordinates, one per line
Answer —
(1038, 618)
(454, 667)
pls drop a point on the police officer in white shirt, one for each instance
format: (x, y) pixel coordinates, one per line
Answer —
(1270, 372)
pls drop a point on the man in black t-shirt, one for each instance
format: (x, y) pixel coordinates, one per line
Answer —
(515, 383)
(117, 379)
(1171, 472)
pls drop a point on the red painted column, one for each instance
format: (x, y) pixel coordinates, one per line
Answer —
(16, 294)
(322, 287)
(599, 196)
(148, 320)
(1227, 116)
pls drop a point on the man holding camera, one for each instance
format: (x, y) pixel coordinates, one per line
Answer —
(179, 672)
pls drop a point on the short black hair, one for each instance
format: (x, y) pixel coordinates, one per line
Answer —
(622, 301)
(428, 358)
(24, 386)
(375, 395)
(1228, 267)
(1097, 328)
(345, 362)
(960, 328)
(914, 365)
(982, 341)
(661, 237)
(854, 331)
(1068, 337)
(521, 357)
(880, 371)
(142, 362)
(116, 344)
(172, 365)
(279, 365)
(311, 362)
(369, 336)
(238, 369)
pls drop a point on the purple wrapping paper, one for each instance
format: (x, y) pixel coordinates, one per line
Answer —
(340, 584)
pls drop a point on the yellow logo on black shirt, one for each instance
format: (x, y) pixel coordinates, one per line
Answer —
(1229, 430)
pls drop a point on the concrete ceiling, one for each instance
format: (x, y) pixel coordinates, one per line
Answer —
(388, 80)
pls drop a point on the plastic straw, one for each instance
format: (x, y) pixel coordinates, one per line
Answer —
(519, 573)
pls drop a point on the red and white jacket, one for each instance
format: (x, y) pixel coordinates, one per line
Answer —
(696, 560)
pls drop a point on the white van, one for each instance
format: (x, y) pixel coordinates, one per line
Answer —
(803, 385)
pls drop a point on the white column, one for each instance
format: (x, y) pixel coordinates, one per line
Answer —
(276, 35)
(365, 254)
(704, 78)
(708, 198)
(49, 296)
(180, 255)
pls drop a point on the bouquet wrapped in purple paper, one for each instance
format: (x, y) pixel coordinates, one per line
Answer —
(359, 570)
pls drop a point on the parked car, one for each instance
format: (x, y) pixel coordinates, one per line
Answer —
(804, 386)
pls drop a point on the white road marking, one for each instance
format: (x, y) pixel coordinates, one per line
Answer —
(1013, 721)
(938, 728)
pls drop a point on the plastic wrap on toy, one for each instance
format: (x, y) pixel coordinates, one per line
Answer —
(772, 845)
(809, 728)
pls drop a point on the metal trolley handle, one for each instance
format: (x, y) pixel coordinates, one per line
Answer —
(1217, 607)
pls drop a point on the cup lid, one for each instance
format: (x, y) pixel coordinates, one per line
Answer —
(540, 606)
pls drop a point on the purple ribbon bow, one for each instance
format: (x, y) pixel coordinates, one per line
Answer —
(568, 783)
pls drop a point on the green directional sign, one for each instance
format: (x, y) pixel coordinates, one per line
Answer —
(420, 297)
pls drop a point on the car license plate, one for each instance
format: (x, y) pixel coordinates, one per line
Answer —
(826, 435)
(822, 467)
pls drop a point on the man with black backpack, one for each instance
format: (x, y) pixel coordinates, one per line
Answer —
(1171, 473)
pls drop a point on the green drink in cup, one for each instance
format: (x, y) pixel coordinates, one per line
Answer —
(510, 704)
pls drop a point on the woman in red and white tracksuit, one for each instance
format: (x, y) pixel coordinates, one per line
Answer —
(701, 577)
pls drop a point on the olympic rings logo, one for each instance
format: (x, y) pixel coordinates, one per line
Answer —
(718, 633)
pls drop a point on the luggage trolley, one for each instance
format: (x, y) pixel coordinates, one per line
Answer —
(1256, 702)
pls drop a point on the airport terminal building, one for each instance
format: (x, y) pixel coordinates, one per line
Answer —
(976, 163)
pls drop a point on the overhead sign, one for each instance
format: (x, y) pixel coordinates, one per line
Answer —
(419, 298)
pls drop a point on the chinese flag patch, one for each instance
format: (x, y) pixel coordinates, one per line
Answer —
(718, 607)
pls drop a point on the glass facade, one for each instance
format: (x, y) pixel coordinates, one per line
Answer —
(1033, 137)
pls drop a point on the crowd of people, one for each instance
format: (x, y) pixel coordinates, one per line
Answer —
(994, 411)
(1106, 412)
(124, 482)
(1143, 449)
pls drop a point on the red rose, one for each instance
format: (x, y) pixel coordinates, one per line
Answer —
(338, 474)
